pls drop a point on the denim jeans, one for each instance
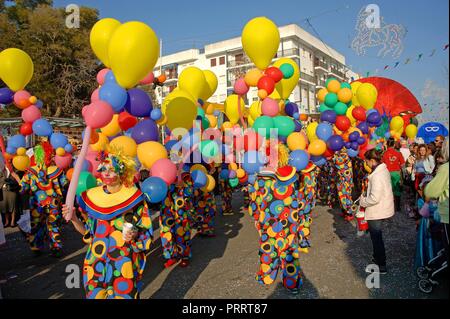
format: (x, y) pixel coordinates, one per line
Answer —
(379, 253)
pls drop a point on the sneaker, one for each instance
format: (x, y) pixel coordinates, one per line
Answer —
(184, 263)
(228, 213)
(170, 263)
(294, 291)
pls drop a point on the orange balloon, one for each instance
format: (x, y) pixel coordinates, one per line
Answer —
(262, 94)
(162, 78)
(317, 147)
(303, 117)
(321, 94)
(333, 86)
(345, 95)
(345, 136)
(69, 174)
(94, 137)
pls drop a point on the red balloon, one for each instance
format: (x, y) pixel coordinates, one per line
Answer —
(274, 73)
(343, 123)
(127, 121)
(359, 113)
(266, 83)
(328, 153)
(244, 179)
(26, 129)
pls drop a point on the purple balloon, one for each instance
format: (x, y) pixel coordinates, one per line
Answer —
(335, 143)
(355, 145)
(282, 139)
(290, 109)
(298, 126)
(328, 116)
(6, 96)
(364, 127)
(361, 140)
(145, 131)
(348, 145)
(138, 103)
(373, 118)
(353, 137)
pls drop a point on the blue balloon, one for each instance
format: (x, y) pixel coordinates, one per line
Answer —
(42, 127)
(324, 131)
(253, 161)
(6, 96)
(373, 118)
(290, 109)
(364, 127)
(58, 140)
(298, 126)
(11, 150)
(145, 131)
(387, 135)
(328, 116)
(200, 179)
(335, 143)
(156, 114)
(115, 95)
(251, 179)
(110, 78)
(224, 174)
(296, 116)
(155, 189)
(68, 148)
(354, 145)
(352, 152)
(16, 141)
(348, 145)
(170, 144)
(361, 140)
(353, 137)
(216, 113)
(299, 159)
(39, 104)
(318, 160)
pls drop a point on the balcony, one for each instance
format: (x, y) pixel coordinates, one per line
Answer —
(307, 78)
(337, 73)
(320, 65)
(240, 62)
(288, 52)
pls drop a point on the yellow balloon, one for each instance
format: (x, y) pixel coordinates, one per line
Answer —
(21, 162)
(240, 173)
(60, 151)
(101, 143)
(286, 86)
(251, 120)
(355, 86)
(21, 151)
(210, 184)
(210, 85)
(397, 123)
(199, 167)
(321, 94)
(112, 128)
(193, 81)
(212, 120)
(16, 68)
(232, 166)
(252, 77)
(297, 141)
(231, 108)
(133, 52)
(367, 95)
(311, 131)
(255, 109)
(209, 108)
(100, 36)
(275, 95)
(149, 152)
(411, 131)
(126, 144)
(260, 40)
(317, 147)
(350, 115)
(162, 120)
(180, 109)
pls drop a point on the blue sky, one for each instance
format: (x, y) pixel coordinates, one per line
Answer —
(186, 24)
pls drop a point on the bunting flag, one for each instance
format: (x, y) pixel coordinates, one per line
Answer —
(433, 52)
(386, 67)
(419, 57)
(396, 64)
(446, 47)
(407, 60)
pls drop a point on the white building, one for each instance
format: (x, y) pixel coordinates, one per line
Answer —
(228, 61)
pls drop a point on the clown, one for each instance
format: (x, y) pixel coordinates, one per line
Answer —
(275, 208)
(116, 255)
(203, 212)
(344, 183)
(44, 184)
(175, 222)
(226, 192)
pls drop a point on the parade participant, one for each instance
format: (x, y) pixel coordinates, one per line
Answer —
(394, 162)
(118, 231)
(226, 193)
(359, 176)
(44, 184)
(175, 222)
(204, 210)
(344, 182)
(275, 208)
(424, 165)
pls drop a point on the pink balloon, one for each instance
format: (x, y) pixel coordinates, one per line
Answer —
(21, 95)
(101, 76)
(95, 96)
(63, 162)
(91, 157)
(164, 169)
(240, 87)
(148, 79)
(97, 114)
(31, 114)
(269, 107)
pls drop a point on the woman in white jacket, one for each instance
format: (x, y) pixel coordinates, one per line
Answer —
(379, 204)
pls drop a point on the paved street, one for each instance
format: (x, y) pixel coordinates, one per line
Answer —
(224, 267)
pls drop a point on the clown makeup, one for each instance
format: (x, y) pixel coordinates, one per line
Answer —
(109, 176)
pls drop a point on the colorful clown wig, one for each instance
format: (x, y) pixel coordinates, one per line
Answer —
(122, 165)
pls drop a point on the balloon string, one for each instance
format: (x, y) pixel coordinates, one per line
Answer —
(76, 173)
(241, 117)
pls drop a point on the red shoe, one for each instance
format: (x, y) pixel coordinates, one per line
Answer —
(170, 263)
(184, 263)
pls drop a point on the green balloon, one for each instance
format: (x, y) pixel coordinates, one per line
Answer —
(331, 99)
(209, 148)
(200, 112)
(205, 123)
(85, 182)
(324, 108)
(287, 70)
(234, 182)
(284, 124)
(264, 122)
(340, 108)
(346, 85)
(328, 81)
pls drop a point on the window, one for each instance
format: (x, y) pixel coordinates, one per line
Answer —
(239, 58)
(213, 62)
(222, 60)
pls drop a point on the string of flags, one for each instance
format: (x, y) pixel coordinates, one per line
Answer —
(407, 61)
